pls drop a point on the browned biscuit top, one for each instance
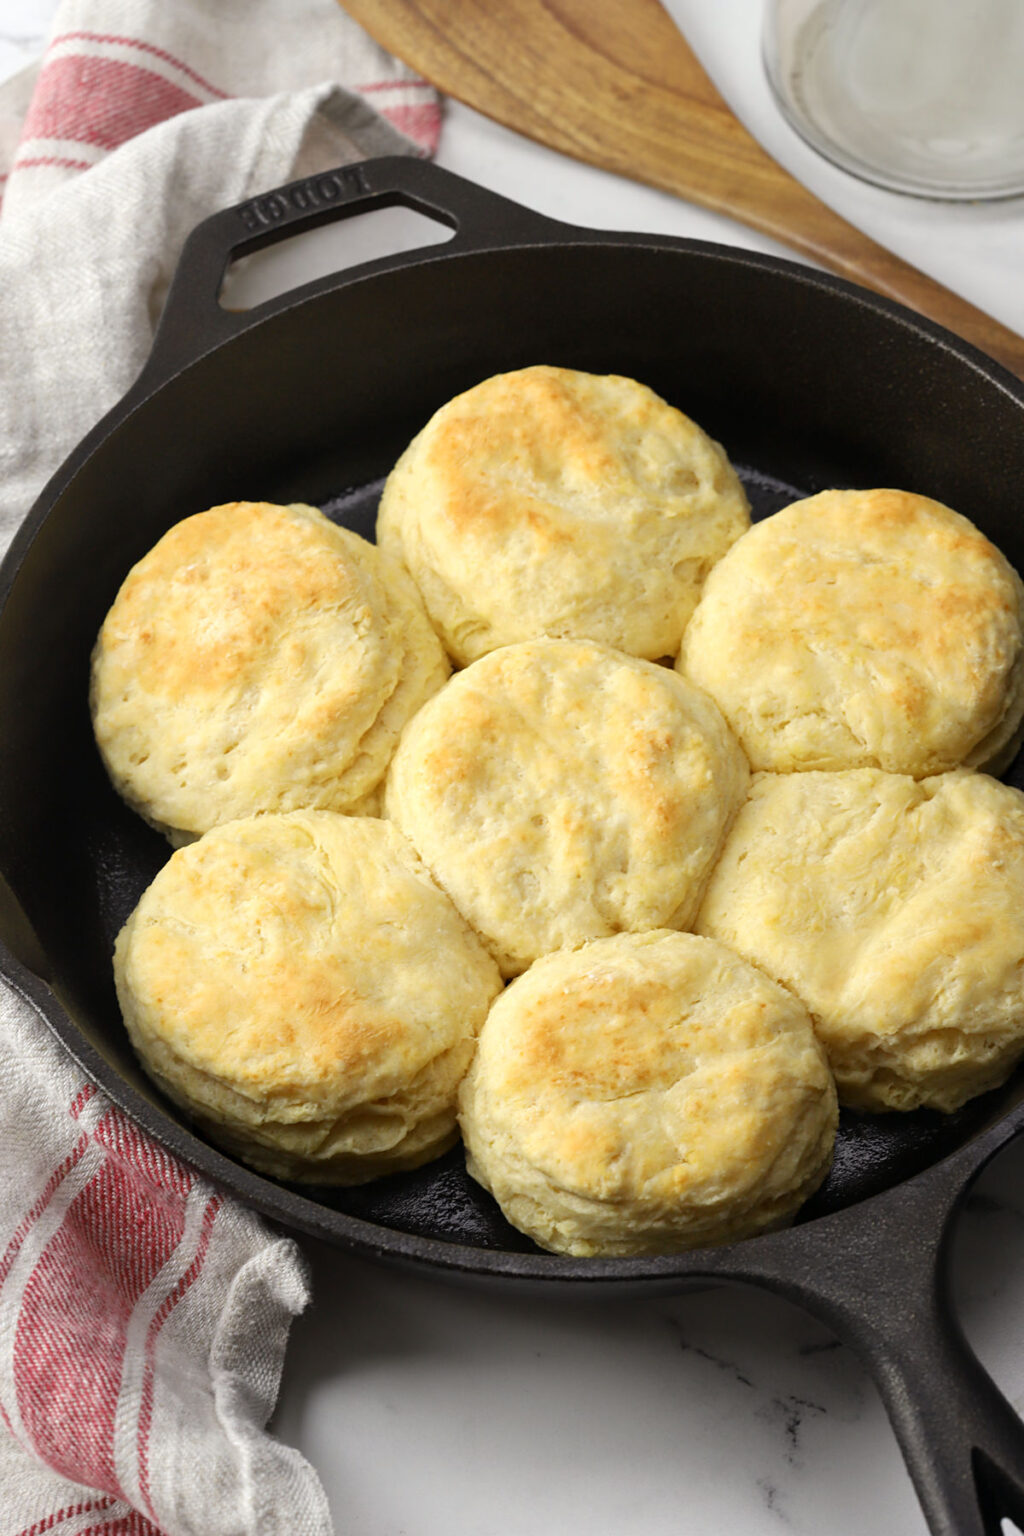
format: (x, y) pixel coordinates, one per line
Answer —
(863, 629)
(553, 502)
(258, 658)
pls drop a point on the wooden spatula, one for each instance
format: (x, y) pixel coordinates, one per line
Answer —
(613, 83)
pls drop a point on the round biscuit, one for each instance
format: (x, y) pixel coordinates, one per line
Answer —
(561, 791)
(874, 629)
(644, 1094)
(258, 658)
(894, 909)
(299, 984)
(552, 502)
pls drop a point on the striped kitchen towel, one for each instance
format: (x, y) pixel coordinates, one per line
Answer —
(114, 68)
(143, 1317)
(143, 1321)
(119, 151)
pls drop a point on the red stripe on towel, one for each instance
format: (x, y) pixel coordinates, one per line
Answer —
(421, 123)
(53, 1183)
(131, 1524)
(103, 102)
(186, 1282)
(70, 1512)
(119, 41)
(72, 1331)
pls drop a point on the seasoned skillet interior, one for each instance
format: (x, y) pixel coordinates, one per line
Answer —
(806, 385)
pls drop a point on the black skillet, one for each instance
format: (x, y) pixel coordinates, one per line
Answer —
(808, 381)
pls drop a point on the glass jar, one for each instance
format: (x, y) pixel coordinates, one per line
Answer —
(921, 96)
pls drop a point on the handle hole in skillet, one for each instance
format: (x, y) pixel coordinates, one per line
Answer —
(312, 253)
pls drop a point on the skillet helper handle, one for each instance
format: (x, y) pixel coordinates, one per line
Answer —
(193, 321)
(878, 1274)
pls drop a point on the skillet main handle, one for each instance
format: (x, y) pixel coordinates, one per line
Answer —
(878, 1274)
(193, 321)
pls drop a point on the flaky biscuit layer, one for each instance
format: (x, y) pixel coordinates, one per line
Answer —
(894, 908)
(552, 502)
(645, 1094)
(258, 658)
(301, 986)
(864, 629)
(562, 791)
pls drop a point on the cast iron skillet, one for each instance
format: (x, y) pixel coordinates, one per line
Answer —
(808, 381)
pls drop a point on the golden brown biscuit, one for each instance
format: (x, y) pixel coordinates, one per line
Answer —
(258, 658)
(552, 502)
(561, 791)
(864, 629)
(894, 908)
(645, 1094)
(302, 987)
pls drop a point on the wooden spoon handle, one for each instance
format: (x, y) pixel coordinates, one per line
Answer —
(616, 85)
(770, 200)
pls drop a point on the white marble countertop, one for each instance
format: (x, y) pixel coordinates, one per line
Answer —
(432, 1409)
